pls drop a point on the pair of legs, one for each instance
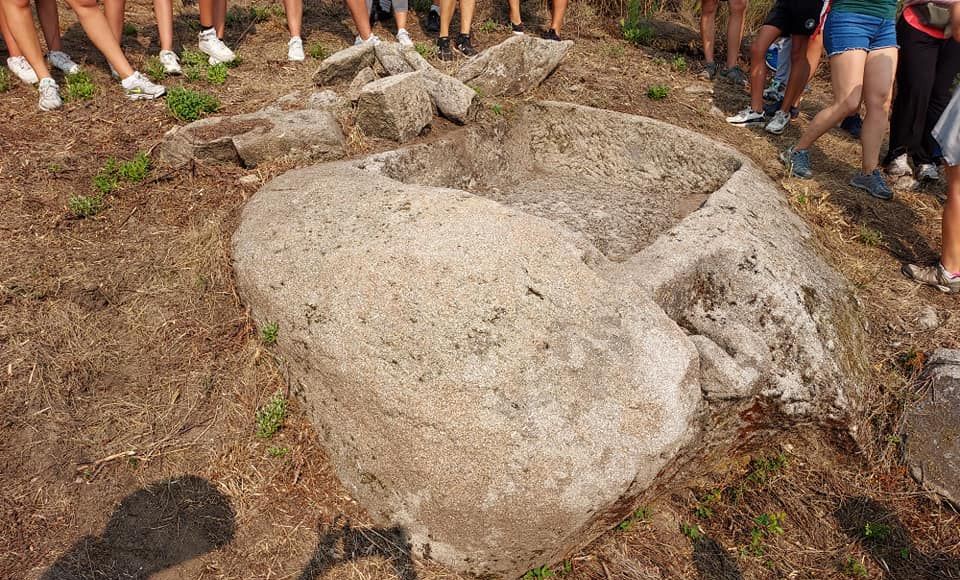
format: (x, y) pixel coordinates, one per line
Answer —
(398, 7)
(467, 9)
(162, 9)
(804, 58)
(557, 10)
(358, 12)
(858, 75)
(708, 23)
(49, 23)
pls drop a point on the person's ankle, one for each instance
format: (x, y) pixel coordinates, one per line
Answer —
(952, 272)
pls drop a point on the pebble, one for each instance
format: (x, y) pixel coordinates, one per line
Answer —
(928, 319)
(251, 179)
(717, 112)
(698, 90)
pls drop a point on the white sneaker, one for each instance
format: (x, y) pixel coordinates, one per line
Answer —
(49, 95)
(778, 123)
(19, 66)
(373, 40)
(170, 62)
(403, 37)
(295, 50)
(746, 118)
(928, 172)
(899, 166)
(61, 60)
(213, 47)
(138, 87)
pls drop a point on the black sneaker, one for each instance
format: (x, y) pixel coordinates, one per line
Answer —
(853, 125)
(445, 52)
(551, 34)
(517, 28)
(433, 21)
(464, 46)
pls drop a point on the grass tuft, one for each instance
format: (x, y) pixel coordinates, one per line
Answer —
(426, 49)
(269, 333)
(317, 51)
(190, 105)
(658, 92)
(153, 68)
(84, 206)
(79, 87)
(270, 417)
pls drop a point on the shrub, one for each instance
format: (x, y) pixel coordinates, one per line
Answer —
(658, 92)
(635, 27)
(79, 87)
(84, 206)
(318, 51)
(270, 416)
(190, 105)
(217, 74)
(136, 169)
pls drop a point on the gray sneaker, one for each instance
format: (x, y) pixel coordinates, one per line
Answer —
(797, 162)
(709, 71)
(935, 276)
(873, 184)
(736, 76)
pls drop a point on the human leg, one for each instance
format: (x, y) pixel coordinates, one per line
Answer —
(879, 71)
(768, 34)
(946, 71)
(558, 9)
(738, 10)
(294, 11)
(915, 77)
(708, 24)
(846, 75)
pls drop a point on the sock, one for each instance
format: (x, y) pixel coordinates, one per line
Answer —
(948, 273)
(208, 32)
(435, 9)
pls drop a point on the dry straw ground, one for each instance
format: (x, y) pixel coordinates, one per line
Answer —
(122, 337)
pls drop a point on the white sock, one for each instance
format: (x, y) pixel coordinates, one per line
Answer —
(435, 9)
(208, 33)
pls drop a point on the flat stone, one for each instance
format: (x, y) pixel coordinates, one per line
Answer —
(396, 107)
(928, 319)
(698, 89)
(344, 65)
(453, 99)
(364, 77)
(514, 66)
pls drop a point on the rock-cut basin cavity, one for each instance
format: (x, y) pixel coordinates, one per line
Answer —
(620, 185)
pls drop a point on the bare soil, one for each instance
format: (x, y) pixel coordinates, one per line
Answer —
(130, 373)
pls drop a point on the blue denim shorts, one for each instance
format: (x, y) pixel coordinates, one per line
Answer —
(844, 31)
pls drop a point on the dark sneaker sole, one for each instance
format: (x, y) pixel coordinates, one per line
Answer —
(144, 96)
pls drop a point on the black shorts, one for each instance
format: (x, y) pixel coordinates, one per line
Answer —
(795, 17)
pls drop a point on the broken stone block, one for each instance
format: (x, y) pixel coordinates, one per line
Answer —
(453, 99)
(344, 65)
(514, 66)
(395, 107)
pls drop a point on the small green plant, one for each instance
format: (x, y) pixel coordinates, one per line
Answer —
(5, 81)
(55, 168)
(855, 568)
(194, 64)
(317, 51)
(679, 64)
(426, 49)
(136, 169)
(635, 27)
(190, 105)
(615, 49)
(270, 416)
(107, 179)
(79, 87)
(278, 451)
(539, 573)
(488, 26)
(129, 29)
(870, 236)
(497, 108)
(764, 468)
(639, 515)
(691, 531)
(84, 206)
(801, 198)
(269, 332)
(876, 532)
(658, 92)
(153, 68)
(703, 509)
(904, 553)
(765, 525)
(217, 74)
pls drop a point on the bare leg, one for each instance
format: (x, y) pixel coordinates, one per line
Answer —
(467, 8)
(294, 10)
(361, 18)
(20, 21)
(98, 31)
(879, 71)
(738, 9)
(207, 16)
(758, 66)
(50, 23)
(114, 10)
(401, 18)
(708, 24)
(556, 19)
(220, 16)
(950, 227)
(163, 10)
(8, 39)
(515, 17)
(446, 16)
(847, 77)
(805, 55)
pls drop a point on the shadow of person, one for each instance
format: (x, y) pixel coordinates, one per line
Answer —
(713, 562)
(163, 524)
(889, 543)
(342, 543)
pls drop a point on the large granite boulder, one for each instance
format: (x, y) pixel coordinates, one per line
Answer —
(504, 335)
(514, 66)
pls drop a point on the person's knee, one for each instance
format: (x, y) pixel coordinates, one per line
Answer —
(83, 4)
(709, 8)
(851, 104)
(738, 6)
(878, 103)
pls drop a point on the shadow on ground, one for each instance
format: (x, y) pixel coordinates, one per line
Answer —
(713, 562)
(341, 543)
(159, 526)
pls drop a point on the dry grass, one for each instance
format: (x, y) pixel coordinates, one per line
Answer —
(122, 337)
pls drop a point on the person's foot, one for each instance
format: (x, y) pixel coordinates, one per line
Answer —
(746, 118)
(778, 123)
(517, 28)
(372, 40)
(295, 49)
(137, 87)
(464, 46)
(170, 62)
(873, 184)
(774, 91)
(214, 48)
(49, 95)
(444, 52)
(736, 76)
(62, 61)
(797, 162)
(928, 172)
(551, 34)
(899, 166)
(709, 71)
(403, 37)
(770, 109)
(19, 66)
(853, 125)
(433, 20)
(936, 276)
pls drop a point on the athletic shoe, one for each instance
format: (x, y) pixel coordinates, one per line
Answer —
(778, 123)
(138, 87)
(936, 276)
(773, 56)
(928, 172)
(736, 76)
(170, 62)
(403, 37)
(60, 60)
(746, 118)
(49, 95)
(444, 51)
(774, 91)
(853, 125)
(433, 21)
(873, 184)
(709, 71)
(551, 34)
(464, 46)
(295, 49)
(214, 48)
(797, 162)
(19, 66)
(517, 28)
(770, 109)
(899, 166)
(372, 40)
